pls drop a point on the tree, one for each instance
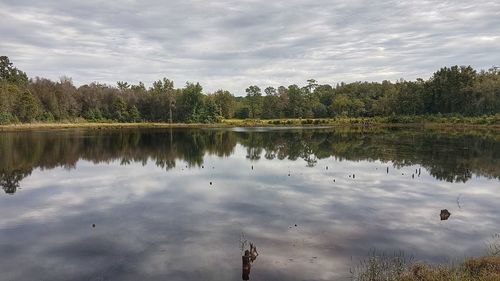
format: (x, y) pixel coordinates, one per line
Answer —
(191, 102)
(295, 101)
(271, 106)
(340, 105)
(210, 112)
(254, 101)
(11, 74)
(160, 100)
(486, 93)
(122, 86)
(133, 114)
(8, 101)
(450, 90)
(225, 103)
(28, 108)
(325, 94)
(120, 112)
(311, 85)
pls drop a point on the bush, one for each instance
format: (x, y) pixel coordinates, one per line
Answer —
(7, 118)
(47, 117)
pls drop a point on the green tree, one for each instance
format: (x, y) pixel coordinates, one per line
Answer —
(486, 93)
(191, 102)
(271, 106)
(122, 86)
(133, 114)
(120, 112)
(450, 90)
(345, 106)
(28, 108)
(254, 101)
(210, 112)
(160, 100)
(225, 103)
(11, 74)
(8, 100)
(295, 101)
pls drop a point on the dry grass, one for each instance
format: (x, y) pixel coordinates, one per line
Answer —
(96, 126)
(411, 122)
(384, 269)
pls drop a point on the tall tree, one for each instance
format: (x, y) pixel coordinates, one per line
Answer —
(254, 100)
(191, 102)
(11, 74)
(28, 108)
(295, 101)
(225, 103)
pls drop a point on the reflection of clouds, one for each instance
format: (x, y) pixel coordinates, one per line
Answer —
(158, 225)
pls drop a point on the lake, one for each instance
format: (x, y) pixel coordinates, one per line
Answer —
(160, 204)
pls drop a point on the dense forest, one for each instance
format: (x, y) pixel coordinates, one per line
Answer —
(456, 90)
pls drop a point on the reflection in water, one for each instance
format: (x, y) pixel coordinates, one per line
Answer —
(247, 259)
(137, 205)
(448, 157)
(9, 181)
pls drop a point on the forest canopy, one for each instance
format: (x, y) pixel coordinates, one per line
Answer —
(456, 90)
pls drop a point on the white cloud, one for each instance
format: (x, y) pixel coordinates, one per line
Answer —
(227, 44)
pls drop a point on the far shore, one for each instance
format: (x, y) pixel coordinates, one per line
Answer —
(232, 123)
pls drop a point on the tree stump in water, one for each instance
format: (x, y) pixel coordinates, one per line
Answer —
(444, 214)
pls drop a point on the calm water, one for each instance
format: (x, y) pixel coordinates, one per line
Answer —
(186, 204)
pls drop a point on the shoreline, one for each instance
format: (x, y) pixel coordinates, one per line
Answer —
(287, 123)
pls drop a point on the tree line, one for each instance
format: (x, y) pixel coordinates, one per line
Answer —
(456, 90)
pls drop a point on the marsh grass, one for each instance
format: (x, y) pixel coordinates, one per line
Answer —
(382, 266)
(494, 245)
(396, 119)
(399, 267)
(431, 121)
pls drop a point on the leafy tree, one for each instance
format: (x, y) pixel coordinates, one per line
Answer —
(295, 101)
(450, 90)
(191, 102)
(160, 100)
(340, 105)
(28, 108)
(254, 100)
(271, 106)
(486, 93)
(225, 103)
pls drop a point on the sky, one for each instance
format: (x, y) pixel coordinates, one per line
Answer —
(233, 44)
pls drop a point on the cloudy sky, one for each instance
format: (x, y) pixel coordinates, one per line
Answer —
(233, 44)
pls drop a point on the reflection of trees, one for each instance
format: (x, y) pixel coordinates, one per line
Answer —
(448, 156)
(9, 180)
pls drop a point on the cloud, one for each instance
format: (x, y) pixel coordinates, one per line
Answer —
(228, 44)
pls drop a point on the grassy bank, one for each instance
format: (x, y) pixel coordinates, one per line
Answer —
(98, 125)
(399, 267)
(492, 122)
(482, 269)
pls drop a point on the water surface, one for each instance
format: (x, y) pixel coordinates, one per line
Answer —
(186, 204)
